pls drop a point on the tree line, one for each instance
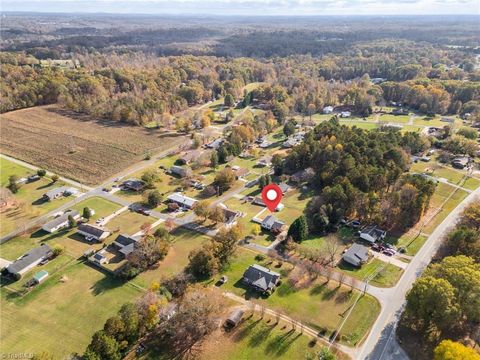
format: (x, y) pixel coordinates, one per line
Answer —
(444, 303)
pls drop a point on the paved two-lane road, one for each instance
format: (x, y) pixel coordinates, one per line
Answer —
(381, 343)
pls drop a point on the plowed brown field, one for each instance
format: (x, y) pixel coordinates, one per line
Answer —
(76, 146)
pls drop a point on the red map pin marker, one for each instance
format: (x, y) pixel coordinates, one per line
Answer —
(271, 196)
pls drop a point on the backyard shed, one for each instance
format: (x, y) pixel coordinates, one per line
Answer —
(234, 318)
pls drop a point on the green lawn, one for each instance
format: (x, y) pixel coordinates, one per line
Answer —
(394, 118)
(435, 121)
(437, 200)
(471, 183)
(29, 204)
(360, 124)
(101, 207)
(411, 128)
(320, 306)
(344, 235)
(8, 168)
(411, 243)
(128, 222)
(387, 277)
(453, 176)
(257, 339)
(60, 317)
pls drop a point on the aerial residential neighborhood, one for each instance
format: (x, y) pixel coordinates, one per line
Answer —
(136, 152)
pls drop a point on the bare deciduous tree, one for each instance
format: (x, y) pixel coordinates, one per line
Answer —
(332, 247)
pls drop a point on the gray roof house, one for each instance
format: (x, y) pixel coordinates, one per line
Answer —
(215, 144)
(303, 175)
(372, 234)
(133, 184)
(55, 193)
(125, 244)
(460, 162)
(61, 221)
(180, 171)
(271, 223)
(29, 260)
(356, 255)
(261, 279)
(94, 231)
(182, 200)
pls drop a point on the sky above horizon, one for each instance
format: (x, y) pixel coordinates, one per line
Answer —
(250, 7)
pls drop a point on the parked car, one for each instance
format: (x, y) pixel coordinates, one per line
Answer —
(377, 247)
(223, 279)
(89, 238)
(99, 220)
(390, 246)
(144, 211)
(388, 252)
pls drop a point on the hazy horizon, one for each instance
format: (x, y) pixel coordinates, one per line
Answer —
(249, 7)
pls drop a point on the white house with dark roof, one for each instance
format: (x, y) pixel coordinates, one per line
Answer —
(99, 258)
(261, 279)
(125, 244)
(55, 193)
(372, 234)
(271, 223)
(60, 222)
(92, 231)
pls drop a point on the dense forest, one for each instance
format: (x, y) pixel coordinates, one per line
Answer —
(136, 73)
(360, 173)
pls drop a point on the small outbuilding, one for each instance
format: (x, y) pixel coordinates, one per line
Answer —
(234, 318)
(40, 276)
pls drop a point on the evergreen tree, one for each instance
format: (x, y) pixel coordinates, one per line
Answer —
(298, 231)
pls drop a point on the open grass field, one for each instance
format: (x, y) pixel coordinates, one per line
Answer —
(8, 168)
(387, 277)
(60, 317)
(26, 204)
(128, 222)
(74, 145)
(101, 206)
(73, 244)
(453, 176)
(442, 193)
(320, 306)
(394, 118)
